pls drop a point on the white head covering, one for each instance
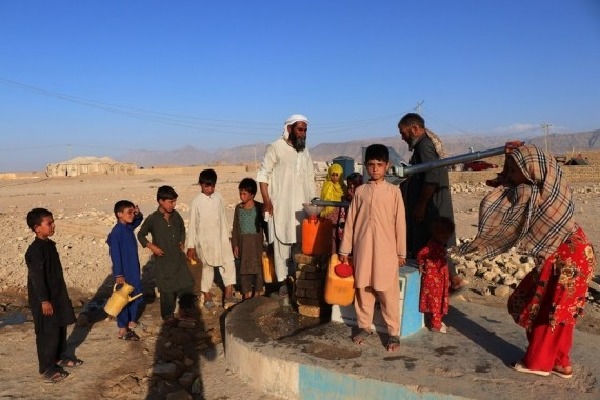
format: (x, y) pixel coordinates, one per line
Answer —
(291, 121)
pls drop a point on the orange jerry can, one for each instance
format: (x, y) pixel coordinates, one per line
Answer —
(317, 236)
(268, 268)
(338, 289)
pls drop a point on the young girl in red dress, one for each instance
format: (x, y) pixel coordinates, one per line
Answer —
(433, 265)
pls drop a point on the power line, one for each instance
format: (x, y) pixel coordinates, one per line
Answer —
(211, 125)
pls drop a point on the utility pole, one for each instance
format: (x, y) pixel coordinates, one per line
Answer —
(418, 107)
(545, 126)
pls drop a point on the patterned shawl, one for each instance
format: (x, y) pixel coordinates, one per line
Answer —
(437, 143)
(537, 217)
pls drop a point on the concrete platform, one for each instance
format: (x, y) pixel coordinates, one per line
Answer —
(287, 355)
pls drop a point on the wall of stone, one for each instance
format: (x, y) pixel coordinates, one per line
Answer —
(573, 174)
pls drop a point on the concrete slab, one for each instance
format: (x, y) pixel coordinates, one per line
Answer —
(297, 357)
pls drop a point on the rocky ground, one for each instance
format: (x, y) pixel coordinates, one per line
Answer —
(185, 361)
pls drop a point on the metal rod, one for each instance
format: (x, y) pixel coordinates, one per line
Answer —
(329, 203)
(404, 171)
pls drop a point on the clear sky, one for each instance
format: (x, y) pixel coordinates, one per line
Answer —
(99, 78)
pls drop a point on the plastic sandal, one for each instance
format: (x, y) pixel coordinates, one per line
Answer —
(131, 335)
(559, 371)
(69, 362)
(55, 375)
(283, 291)
(519, 367)
(393, 343)
(361, 336)
(210, 305)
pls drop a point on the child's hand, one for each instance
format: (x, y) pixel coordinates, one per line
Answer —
(401, 261)
(191, 254)
(422, 268)
(343, 259)
(236, 251)
(119, 280)
(47, 308)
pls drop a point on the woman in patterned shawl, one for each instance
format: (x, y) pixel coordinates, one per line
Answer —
(533, 210)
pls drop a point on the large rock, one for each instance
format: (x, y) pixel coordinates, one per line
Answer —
(501, 291)
(167, 371)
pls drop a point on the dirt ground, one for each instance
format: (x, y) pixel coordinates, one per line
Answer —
(113, 368)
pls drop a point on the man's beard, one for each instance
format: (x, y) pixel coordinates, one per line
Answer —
(297, 143)
(412, 141)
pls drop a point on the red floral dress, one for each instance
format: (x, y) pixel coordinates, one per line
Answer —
(573, 263)
(434, 295)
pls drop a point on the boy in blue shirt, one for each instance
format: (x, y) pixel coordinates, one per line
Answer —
(123, 251)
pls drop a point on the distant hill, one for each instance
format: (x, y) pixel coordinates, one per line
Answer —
(456, 144)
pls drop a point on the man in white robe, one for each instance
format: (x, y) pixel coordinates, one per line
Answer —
(287, 180)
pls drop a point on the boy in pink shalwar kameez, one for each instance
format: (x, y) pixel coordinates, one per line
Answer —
(375, 233)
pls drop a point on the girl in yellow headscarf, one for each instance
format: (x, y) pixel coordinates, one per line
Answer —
(333, 189)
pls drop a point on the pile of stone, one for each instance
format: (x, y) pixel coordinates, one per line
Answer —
(503, 272)
(466, 187)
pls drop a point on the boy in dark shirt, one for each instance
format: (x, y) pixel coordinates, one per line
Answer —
(49, 301)
(173, 277)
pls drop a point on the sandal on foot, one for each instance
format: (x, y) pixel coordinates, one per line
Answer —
(520, 367)
(442, 329)
(361, 336)
(210, 305)
(55, 375)
(69, 362)
(231, 300)
(283, 291)
(131, 335)
(393, 343)
(561, 371)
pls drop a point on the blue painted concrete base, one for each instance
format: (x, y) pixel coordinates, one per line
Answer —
(320, 383)
(411, 320)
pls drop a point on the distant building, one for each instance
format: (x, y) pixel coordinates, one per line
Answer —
(90, 166)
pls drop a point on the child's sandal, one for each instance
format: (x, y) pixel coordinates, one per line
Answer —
(69, 362)
(55, 375)
(361, 336)
(393, 343)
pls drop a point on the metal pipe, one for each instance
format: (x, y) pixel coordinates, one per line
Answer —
(329, 203)
(404, 171)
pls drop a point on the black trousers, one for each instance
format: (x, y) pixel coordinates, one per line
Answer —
(168, 301)
(51, 342)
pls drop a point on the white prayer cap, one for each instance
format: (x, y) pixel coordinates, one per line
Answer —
(291, 121)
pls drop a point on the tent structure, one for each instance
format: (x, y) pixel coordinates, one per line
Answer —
(90, 166)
